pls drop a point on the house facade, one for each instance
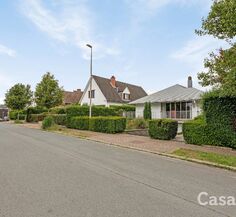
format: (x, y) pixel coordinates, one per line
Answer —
(108, 92)
(175, 102)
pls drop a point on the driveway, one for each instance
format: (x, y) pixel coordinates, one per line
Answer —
(46, 174)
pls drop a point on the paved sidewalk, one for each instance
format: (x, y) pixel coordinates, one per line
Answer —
(142, 142)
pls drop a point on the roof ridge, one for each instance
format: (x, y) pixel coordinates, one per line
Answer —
(118, 81)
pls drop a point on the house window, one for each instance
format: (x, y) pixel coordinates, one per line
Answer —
(126, 96)
(178, 110)
(92, 94)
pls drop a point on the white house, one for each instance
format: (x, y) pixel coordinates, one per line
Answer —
(108, 92)
(175, 102)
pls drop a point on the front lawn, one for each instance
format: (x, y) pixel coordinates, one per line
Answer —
(206, 156)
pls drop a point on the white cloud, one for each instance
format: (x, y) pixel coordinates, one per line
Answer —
(72, 24)
(143, 9)
(7, 51)
(195, 50)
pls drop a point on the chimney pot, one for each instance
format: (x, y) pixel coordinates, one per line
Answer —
(190, 82)
(113, 81)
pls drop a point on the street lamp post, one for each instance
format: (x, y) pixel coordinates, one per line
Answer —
(90, 83)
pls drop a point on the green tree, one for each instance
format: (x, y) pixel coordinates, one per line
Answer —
(221, 20)
(147, 112)
(221, 66)
(221, 71)
(48, 93)
(18, 97)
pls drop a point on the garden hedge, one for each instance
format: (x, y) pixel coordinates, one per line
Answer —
(36, 117)
(34, 111)
(77, 110)
(60, 119)
(217, 125)
(58, 110)
(198, 132)
(165, 129)
(107, 124)
(80, 123)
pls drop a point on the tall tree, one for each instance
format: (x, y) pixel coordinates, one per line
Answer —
(48, 93)
(18, 97)
(221, 66)
(221, 20)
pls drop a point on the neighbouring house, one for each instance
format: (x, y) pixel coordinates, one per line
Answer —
(175, 102)
(111, 92)
(72, 97)
(3, 112)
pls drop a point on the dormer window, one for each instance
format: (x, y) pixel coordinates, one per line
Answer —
(126, 96)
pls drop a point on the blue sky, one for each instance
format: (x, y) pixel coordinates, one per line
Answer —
(150, 43)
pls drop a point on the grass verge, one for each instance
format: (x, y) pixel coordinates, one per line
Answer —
(206, 156)
(65, 131)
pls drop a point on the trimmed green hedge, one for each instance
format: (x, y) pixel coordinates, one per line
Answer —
(35, 111)
(122, 108)
(200, 133)
(107, 124)
(60, 119)
(217, 126)
(76, 110)
(58, 110)
(164, 129)
(80, 123)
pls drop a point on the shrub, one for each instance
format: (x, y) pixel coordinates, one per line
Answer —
(218, 124)
(77, 110)
(48, 122)
(59, 119)
(36, 117)
(165, 129)
(32, 111)
(58, 110)
(80, 123)
(198, 132)
(107, 124)
(123, 108)
(147, 112)
(137, 123)
(13, 114)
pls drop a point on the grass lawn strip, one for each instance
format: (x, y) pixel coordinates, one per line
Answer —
(206, 156)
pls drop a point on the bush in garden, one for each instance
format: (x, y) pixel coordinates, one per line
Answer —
(165, 129)
(80, 123)
(76, 110)
(60, 119)
(107, 124)
(37, 117)
(137, 123)
(48, 122)
(33, 111)
(218, 124)
(13, 114)
(58, 110)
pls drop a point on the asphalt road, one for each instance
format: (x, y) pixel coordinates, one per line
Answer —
(46, 174)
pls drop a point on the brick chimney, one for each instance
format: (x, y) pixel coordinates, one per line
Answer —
(113, 81)
(190, 82)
